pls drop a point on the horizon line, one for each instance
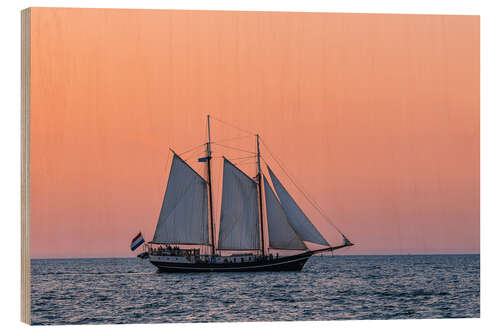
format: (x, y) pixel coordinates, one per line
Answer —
(327, 255)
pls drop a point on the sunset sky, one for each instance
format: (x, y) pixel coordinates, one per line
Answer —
(375, 116)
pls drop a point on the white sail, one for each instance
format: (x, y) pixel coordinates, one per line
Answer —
(239, 216)
(299, 221)
(184, 213)
(281, 234)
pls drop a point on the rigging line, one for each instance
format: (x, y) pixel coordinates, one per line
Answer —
(246, 151)
(234, 138)
(192, 148)
(311, 201)
(193, 155)
(231, 125)
(234, 159)
(242, 158)
(193, 159)
(244, 163)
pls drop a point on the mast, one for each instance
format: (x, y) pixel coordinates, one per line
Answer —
(209, 157)
(260, 197)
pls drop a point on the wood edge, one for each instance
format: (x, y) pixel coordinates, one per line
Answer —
(25, 165)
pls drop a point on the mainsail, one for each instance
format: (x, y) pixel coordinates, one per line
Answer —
(184, 213)
(299, 221)
(281, 234)
(239, 216)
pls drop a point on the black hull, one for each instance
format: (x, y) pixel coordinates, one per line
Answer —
(290, 263)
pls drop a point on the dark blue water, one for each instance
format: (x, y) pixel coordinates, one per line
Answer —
(85, 291)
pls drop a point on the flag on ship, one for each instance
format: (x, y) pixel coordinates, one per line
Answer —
(136, 242)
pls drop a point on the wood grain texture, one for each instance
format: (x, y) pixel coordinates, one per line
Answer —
(25, 164)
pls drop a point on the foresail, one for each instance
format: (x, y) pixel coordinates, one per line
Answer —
(281, 234)
(184, 213)
(299, 221)
(239, 216)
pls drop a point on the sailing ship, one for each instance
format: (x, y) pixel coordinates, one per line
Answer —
(187, 219)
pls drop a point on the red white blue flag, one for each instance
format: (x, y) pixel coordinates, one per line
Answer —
(136, 242)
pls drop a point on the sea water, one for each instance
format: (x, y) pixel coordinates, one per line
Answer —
(129, 290)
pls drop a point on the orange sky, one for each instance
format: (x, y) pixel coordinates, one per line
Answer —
(375, 116)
